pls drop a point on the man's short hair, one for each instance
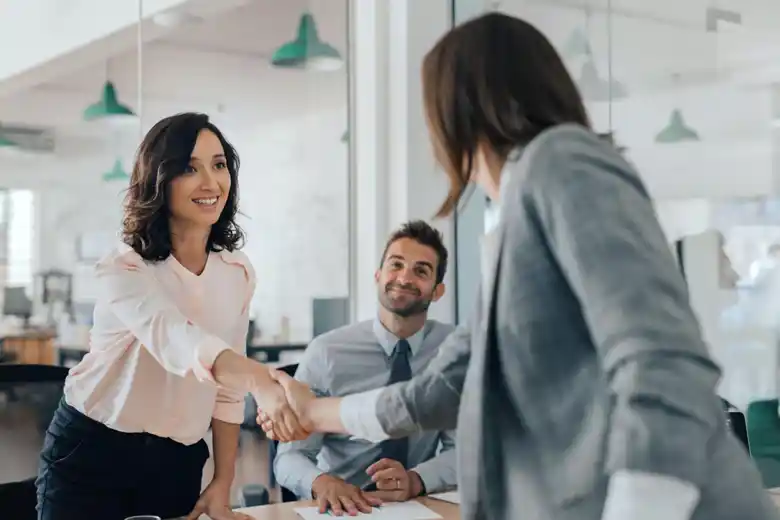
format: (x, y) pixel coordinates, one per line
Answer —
(425, 234)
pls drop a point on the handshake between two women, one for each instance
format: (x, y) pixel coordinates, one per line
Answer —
(289, 413)
(287, 409)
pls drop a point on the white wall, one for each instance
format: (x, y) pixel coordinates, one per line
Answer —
(287, 128)
(394, 175)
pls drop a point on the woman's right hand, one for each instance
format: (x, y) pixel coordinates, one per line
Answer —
(272, 398)
(298, 396)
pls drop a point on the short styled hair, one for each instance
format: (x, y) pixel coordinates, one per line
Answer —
(425, 234)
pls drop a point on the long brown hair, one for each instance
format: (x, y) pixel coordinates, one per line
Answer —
(495, 80)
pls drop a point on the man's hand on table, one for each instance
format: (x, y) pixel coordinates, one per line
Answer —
(339, 497)
(393, 482)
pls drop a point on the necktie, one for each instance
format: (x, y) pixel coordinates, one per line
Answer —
(400, 370)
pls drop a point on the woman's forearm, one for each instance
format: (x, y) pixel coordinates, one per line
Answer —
(238, 372)
(225, 440)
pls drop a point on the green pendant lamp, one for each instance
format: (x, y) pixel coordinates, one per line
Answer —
(7, 143)
(577, 45)
(117, 173)
(7, 146)
(594, 88)
(108, 108)
(676, 130)
(307, 51)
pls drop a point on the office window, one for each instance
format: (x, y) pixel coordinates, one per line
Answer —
(19, 237)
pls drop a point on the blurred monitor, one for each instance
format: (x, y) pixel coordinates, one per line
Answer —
(16, 302)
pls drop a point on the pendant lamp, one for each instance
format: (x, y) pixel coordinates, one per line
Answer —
(577, 45)
(307, 51)
(594, 88)
(7, 146)
(676, 130)
(117, 173)
(6, 143)
(108, 108)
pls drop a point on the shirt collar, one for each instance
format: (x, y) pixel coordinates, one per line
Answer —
(388, 340)
(493, 211)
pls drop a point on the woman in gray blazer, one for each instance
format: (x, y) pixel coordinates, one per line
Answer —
(582, 389)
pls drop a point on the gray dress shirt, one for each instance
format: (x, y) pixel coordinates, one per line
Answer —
(353, 359)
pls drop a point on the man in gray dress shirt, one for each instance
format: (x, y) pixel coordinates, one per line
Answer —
(338, 470)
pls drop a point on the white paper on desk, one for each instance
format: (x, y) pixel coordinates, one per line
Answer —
(390, 511)
(448, 496)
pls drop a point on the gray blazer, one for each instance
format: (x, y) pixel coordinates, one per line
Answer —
(584, 356)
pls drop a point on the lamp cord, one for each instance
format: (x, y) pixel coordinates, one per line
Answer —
(140, 68)
(609, 63)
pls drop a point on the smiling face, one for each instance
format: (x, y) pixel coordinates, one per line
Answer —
(406, 281)
(198, 196)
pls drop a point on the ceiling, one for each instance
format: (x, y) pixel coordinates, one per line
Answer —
(213, 61)
(252, 32)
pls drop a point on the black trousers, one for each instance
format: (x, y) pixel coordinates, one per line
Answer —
(89, 471)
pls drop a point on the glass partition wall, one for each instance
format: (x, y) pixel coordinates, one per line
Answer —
(689, 91)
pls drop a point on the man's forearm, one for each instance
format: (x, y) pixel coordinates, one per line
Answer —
(296, 471)
(439, 473)
(225, 440)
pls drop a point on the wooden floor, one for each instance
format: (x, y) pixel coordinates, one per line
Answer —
(19, 450)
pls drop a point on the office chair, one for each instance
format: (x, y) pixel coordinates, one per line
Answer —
(763, 423)
(737, 423)
(29, 396)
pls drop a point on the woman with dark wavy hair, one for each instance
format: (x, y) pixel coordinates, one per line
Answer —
(166, 359)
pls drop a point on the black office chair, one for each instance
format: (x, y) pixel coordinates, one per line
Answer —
(737, 423)
(29, 396)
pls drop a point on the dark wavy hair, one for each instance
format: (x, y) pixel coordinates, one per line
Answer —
(163, 155)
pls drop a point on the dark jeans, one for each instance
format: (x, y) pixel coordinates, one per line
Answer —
(89, 471)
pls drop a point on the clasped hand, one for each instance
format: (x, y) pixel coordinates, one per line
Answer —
(283, 408)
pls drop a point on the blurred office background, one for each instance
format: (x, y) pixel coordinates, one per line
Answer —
(689, 91)
(322, 100)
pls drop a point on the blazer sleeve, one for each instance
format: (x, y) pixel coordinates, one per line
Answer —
(600, 226)
(431, 400)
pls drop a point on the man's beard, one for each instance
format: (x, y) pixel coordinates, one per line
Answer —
(411, 308)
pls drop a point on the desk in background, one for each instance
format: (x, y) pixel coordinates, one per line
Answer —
(30, 347)
(272, 352)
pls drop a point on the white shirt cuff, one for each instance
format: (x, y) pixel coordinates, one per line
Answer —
(646, 496)
(358, 415)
